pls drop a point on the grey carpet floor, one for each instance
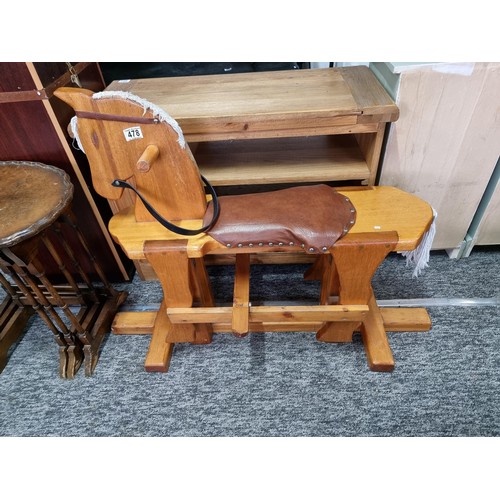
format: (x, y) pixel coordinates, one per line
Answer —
(446, 381)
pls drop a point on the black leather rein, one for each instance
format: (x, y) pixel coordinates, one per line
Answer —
(166, 223)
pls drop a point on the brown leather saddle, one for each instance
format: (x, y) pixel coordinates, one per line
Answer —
(310, 217)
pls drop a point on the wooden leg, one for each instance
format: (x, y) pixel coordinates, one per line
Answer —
(329, 281)
(241, 296)
(316, 269)
(172, 266)
(203, 295)
(160, 349)
(200, 283)
(13, 319)
(378, 351)
(356, 259)
(73, 356)
(371, 145)
(98, 325)
(17, 269)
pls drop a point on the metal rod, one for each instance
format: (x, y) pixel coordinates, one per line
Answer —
(439, 302)
(430, 302)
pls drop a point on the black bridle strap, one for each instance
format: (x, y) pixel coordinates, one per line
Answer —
(166, 223)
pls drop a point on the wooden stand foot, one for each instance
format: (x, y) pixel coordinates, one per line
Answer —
(378, 351)
(406, 319)
(160, 351)
(70, 360)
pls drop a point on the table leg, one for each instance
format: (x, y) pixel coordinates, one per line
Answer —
(13, 319)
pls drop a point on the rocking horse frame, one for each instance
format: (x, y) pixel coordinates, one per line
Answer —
(387, 220)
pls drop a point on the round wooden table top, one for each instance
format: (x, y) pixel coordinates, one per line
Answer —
(32, 196)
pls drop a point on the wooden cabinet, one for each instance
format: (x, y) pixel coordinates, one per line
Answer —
(445, 146)
(33, 128)
(300, 126)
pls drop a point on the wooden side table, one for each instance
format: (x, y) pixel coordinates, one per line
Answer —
(36, 224)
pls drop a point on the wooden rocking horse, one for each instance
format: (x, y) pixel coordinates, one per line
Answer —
(135, 147)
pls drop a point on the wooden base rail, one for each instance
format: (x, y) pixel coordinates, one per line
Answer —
(262, 314)
(395, 319)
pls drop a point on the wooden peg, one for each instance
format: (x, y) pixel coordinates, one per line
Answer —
(147, 158)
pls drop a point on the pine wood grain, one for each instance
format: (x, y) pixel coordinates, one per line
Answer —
(241, 295)
(379, 209)
(401, 319)
(268, 314)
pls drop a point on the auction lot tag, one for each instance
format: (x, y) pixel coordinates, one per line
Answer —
(133, 133)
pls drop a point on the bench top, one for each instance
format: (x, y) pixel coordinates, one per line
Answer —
(379, 209)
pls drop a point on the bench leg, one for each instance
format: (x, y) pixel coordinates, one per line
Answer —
(177, 275)
(355, 260)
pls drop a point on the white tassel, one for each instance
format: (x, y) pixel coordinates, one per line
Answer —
(158, 112)
(74, 130)
(419, 258)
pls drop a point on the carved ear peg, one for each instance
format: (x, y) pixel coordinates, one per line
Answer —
(147, 158)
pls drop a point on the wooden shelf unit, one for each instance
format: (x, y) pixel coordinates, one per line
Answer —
(280, 126)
